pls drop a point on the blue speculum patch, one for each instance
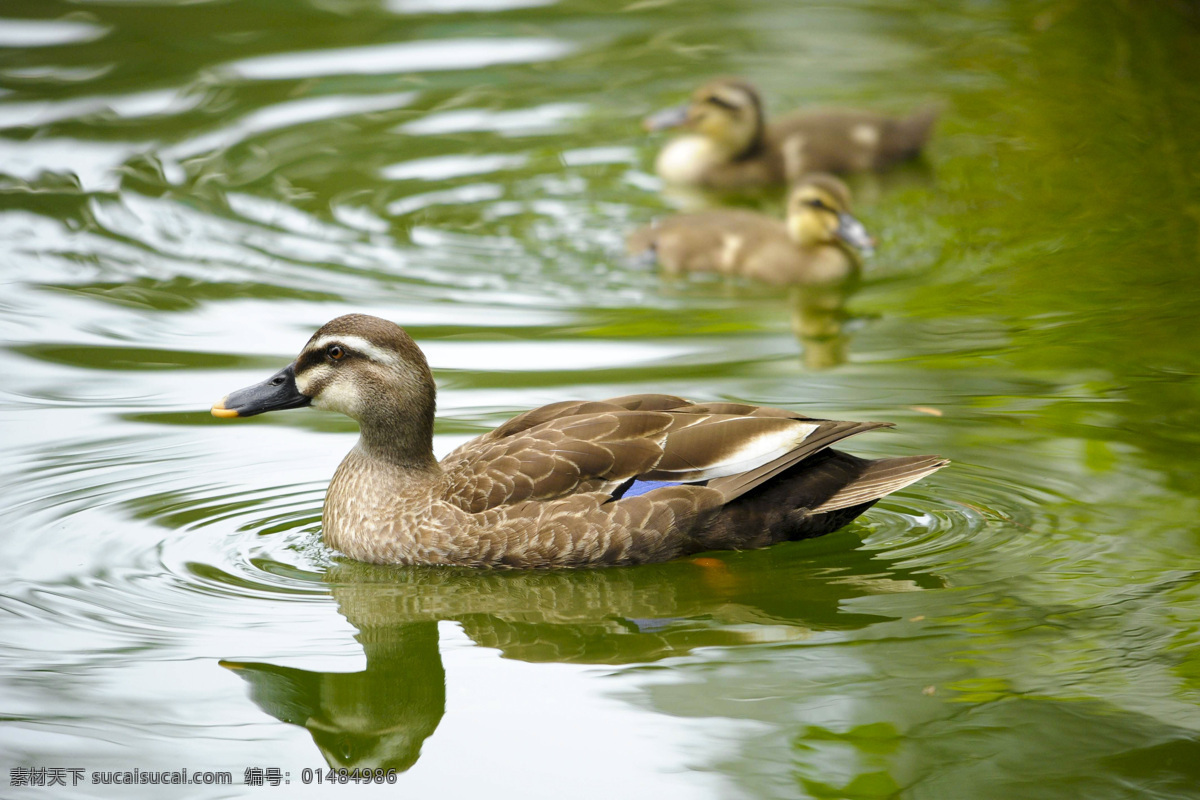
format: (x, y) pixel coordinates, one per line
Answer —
(636, 487)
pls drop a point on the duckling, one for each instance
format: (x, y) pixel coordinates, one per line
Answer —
(728, 145)
(820, 242)
(629, 480)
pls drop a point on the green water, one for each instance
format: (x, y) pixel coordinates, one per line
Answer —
(187, 190)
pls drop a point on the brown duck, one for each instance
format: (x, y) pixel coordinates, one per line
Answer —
(819, 243)
(623, 481)
(727, 144)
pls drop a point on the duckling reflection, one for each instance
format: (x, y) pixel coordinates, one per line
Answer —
(381, 716)
(817, 252)
(727, 144)
(818, 316)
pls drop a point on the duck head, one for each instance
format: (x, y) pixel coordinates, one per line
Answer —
(364, 367)
(818, 213)
(726, 111)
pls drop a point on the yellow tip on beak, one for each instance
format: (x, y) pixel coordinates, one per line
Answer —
(219, 410)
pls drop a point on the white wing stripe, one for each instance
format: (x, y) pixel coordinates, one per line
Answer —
(754, 452)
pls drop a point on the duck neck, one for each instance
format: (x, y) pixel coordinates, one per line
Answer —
(751, 143)
(400, 438)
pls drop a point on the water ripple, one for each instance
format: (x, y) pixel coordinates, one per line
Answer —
(48, 33)
(446, 54)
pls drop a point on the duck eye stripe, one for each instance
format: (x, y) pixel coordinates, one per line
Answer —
(359, 345)
(307, 359)
(722, 103)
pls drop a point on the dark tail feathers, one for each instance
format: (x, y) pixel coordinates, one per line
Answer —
(910, 135)
(880, 478)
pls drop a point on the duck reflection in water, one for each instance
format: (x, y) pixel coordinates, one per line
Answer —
(816, 252)
(818, 316)
(381, 716)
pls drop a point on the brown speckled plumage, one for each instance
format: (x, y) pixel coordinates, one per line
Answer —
(727, 144)
(546, 488)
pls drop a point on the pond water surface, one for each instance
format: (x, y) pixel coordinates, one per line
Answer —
(189, 189)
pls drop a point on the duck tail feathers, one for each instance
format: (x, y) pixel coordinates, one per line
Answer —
(880, 478)
(916, 129)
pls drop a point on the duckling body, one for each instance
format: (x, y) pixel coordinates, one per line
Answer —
(629, 480)
(727, 144)
(818, 244)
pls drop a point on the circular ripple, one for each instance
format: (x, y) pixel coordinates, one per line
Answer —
(922, 528)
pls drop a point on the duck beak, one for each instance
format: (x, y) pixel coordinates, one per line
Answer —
(274, 394)
(854, 233)
(667, 118)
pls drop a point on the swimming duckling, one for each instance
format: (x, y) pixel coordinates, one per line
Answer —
(820, 242)
(726, 143)
(629, 480)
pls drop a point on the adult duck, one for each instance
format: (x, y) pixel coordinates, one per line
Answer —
(629, 480)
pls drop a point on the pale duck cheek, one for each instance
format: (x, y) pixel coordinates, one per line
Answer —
(338, 396)
(335, 395)
(807, 228)
(303, 383)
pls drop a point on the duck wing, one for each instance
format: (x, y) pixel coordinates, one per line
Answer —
(655, 441)
(708, 241)
(846, 140)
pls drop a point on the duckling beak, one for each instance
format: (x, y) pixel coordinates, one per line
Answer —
(667, 118)
(274, 394)
(854, 233)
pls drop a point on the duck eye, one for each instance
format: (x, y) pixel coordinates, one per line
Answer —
(336, 352)
(817, 202)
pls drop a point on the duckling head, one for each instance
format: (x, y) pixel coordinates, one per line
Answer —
(818, 213)
(365, 367)
(726, 111)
